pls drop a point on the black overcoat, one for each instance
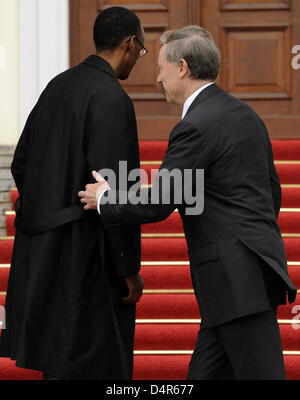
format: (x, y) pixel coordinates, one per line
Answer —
(236, 252)
(64, 311)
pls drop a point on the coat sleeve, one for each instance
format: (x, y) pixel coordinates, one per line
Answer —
(18, 166)
(188, 149)
(112, 138)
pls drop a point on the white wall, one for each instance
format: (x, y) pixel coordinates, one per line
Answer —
(9, 71)
(44, 48)
(34, 40)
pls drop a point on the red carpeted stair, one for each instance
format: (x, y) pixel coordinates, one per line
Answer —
(167, 316)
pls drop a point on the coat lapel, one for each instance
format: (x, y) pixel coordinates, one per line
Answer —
(205, 94)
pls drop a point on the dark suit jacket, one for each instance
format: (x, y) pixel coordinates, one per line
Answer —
(236, 240)
(64, 307)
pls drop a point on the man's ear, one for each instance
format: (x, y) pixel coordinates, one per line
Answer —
(127, 43)
(184, 68)
(130, 42)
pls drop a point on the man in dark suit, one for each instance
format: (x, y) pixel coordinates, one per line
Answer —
(73, 284)
(236, 252)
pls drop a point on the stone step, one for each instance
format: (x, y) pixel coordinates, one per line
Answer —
(5, 161)
(6, 184)
(6, 179)
(5, 174)
(3, 222)
(7, 150)
(5, 203)
(4, 207)
(4, 197)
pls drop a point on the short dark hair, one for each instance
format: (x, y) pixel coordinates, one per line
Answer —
(113, 25)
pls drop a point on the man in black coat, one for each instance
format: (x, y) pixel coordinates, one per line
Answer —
(236, 252)
(73, 284)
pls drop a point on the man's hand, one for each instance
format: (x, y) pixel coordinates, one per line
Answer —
(135, 286)
(93, 191)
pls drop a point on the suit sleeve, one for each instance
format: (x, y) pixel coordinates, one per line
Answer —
(188, 149)
(111, 138)
(275, 185)
(274, 178)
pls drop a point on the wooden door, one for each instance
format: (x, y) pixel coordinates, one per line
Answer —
(256, 38)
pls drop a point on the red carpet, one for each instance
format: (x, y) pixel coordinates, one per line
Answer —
(160, 277)
(289, 222)
(283, 150)
(183, 336)
(168, 315)
(8, 371)
(182, 305)
(163, 249)
(289, 173)
(175, 367)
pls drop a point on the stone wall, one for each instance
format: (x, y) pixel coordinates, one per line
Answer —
(6, 182)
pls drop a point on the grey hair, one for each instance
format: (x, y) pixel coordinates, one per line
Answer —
(196, 46)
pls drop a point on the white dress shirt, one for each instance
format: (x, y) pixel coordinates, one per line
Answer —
(192, 97)
(186, 106)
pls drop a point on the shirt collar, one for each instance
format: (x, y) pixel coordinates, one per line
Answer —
(192, 97)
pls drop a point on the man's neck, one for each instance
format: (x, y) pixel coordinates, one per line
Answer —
(112, 58)
(193, 87)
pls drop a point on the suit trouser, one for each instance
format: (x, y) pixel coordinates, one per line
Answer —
(47, 377)
(245, 348)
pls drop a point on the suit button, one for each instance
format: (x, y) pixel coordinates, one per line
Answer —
(122, 254)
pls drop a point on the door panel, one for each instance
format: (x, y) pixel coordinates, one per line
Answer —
(256, 39)
(257, 5)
